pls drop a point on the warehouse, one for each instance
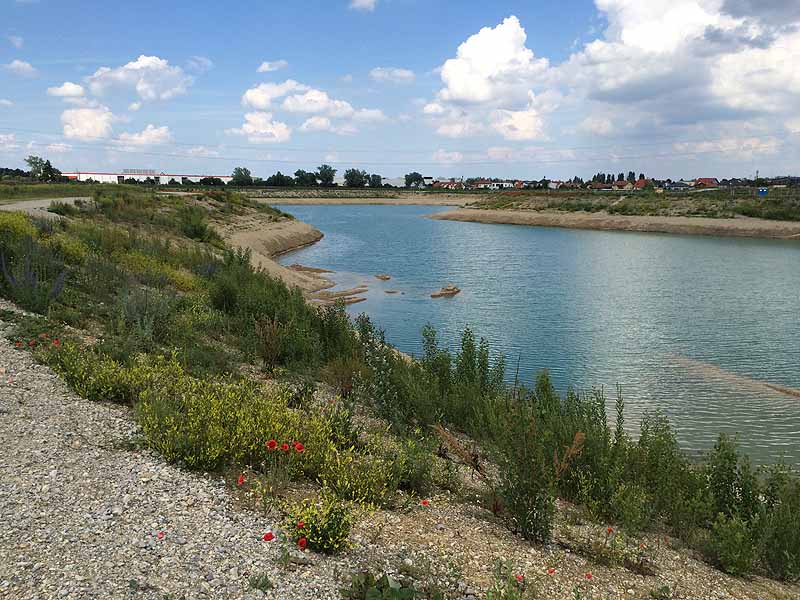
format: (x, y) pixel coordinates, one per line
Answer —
(141, 175)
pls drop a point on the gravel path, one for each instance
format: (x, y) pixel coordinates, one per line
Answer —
(81, 512)
(38, 208)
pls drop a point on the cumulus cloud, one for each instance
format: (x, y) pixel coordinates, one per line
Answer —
(269, 66)
(366, 5)
(392, 75)
(59, 147)
(199, 64)
(260, 127)
(261, 96)
(202, 151)
(317, 101)
(6, 102)
(150, 77)
(8, 142)
(21, 68)
(17, 41)
(318, 123)
(447, 158)
(66, 90)
(369, 115)
(735, 147)
(149, 136)
(87, 123)
(596, 126)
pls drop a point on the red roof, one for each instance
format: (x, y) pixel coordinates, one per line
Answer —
(641, 184)
(706, 181)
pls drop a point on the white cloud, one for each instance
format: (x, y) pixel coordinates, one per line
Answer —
(66, 90)
(392, 75)
(5, 102)
(201, 151)
(268, 67)
(367, 5)
(447, 158)
(149, 136)
(151, 77)
(369, 115)
(346, 78)
(22, 68)
(259, 127)
(8, 142)
(87, 123)
(134, 106)
(16, 41)
(596, 125)
(59, 147)
(261, 96)
(434, 108)
(731, 148)
(318, 123)
(199, 64)
(492, 65)
(317, 101)
(518, 124)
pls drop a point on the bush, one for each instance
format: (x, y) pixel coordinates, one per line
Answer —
(71, 249)
(732, 545)
(733, 484)
(325, 524)
(780, 524)
(14, 227)
(629, 506)
(365, 586)
(31, 276)
(414, 463)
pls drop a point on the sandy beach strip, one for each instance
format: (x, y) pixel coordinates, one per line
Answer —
(738, 227)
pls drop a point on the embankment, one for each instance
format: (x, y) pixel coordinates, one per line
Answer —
(738, 227)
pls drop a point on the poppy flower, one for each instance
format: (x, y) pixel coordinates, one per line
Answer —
(301, 524)
(285, 447)
(642, 546)
(18, 344)
(268, 537)
(589, 576)
(301, 543)
(240, 481)
(299, 447)
(520, 578)
(425, 502)
(32, 343)
(272, 444)
(160, 535)
(56, 343)
(551, 570)
(610, 530)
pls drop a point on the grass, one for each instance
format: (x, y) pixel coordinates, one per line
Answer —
(36, 191)
(155, 311)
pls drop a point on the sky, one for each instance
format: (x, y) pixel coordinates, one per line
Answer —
(518, 89)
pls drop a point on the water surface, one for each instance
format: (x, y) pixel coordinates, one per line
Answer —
(686, 324)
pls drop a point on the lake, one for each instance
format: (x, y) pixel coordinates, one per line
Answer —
(691, 325)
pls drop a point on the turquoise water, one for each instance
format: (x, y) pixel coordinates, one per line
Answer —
(687, 324)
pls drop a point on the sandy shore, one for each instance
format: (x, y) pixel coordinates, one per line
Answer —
(399, 199)
(268, 240)
(739, 227)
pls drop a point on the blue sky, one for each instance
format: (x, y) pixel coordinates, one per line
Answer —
(672, 88)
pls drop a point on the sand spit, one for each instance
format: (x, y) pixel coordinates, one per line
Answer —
(383, 276)
(350, 296)
(711, 371)
(738, 227)
(266, 240)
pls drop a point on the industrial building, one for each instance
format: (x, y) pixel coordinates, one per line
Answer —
(140, 175)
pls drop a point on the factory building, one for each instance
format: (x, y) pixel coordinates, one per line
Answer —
(140, 175)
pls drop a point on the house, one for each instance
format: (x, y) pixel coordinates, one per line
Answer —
(623, 185)
(706, 182)
(677, 186)
(641, 184)
(483, 184)
(501, 185)
(600, 185)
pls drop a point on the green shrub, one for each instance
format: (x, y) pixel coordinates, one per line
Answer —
(15, 227)
(31, 275)
(414, 463)
(363, 477)
(779, 526)
(630, 506)
(72, 249)
(324, 523)
(733, 484)
(732, 545)
(365, 586)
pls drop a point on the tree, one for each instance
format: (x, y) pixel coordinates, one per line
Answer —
(641, 176)
(211, 181)
(355, 178)
(414, 179)
(36, 164)
(305, 179)
(280, 180)
(620, 177)
(241, 177)
(325, 174)
(631, 176)
(49, 172)
(375, 180)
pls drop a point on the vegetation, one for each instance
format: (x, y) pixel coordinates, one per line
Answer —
(171, 321)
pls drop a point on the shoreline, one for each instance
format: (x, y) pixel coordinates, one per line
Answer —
(738, 227)
(333, 198)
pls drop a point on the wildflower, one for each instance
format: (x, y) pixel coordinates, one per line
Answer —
(160, 535)
(56, 343)
(520, 578)
(32, 343)
(42, 336)
(301, 524)
(272, 444)
(241, 480)
(268, 537)
(551, 570)
(299, 447)
(425, 502)
(610, 530)
(18, 344)
(589, 575)
(285, 447)
(301, 543)
(642, 546)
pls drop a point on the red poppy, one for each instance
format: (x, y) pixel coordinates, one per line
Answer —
(56, 343)
(299, 447)
(610, 530)
(425, 502)
(589, 576)
(32, 343)
(240, 481)
(269, 536)
(551, 570)
(272, 444)
(301, 543)
(18, 344)
(160, 535)
(301, 524)
(642, 546)
(285, 447)
(520, 578)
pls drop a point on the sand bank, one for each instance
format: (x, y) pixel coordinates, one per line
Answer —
(738, 227)
(267, 240)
